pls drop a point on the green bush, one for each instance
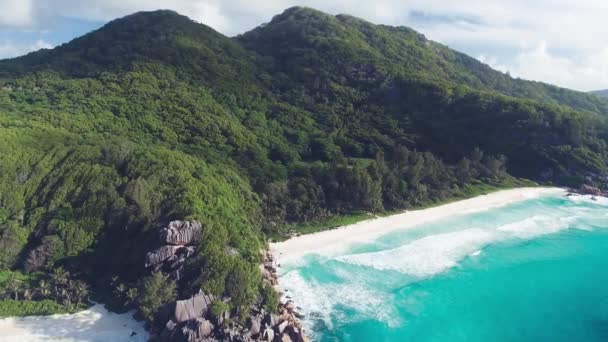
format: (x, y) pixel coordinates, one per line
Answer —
(12, 308)
(156, 291)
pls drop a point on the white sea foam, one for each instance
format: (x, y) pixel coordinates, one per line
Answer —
(437, 253)
(537, 225)
(426, 256)
(597, 200)
(319, 300)
(337, 241)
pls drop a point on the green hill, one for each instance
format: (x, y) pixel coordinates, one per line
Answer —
(602, 93)
(153, 118)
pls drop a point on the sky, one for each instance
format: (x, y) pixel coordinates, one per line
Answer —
(562, 42)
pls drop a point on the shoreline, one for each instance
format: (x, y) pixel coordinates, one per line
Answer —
(339, 239)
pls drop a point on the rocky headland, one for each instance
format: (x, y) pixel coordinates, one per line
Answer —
(193, 319)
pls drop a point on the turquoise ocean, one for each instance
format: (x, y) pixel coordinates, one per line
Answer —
(535, 270)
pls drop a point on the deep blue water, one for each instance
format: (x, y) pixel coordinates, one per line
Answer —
(535, 270)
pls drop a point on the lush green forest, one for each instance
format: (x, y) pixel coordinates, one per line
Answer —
(602, 93)
(154, 118)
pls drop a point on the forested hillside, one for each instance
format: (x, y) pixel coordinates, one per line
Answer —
(155, 118)
(602, 93)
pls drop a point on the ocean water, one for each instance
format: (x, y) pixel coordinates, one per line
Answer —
(535, 270)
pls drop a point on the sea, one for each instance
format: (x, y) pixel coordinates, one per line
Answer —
(535, 270)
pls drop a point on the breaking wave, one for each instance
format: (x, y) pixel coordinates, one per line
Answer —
(317, 301)
(437, 253)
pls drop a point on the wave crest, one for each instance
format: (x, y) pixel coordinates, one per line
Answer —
(437, 253)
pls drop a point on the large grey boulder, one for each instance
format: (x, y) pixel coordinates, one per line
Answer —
(182, 233)
(168, 253)
(170, 326)
(271, 320)
(281, 327)
(205, 328)
(192, 308)
(255, 326)
(192, 331)
(268, 334)
(160, 255)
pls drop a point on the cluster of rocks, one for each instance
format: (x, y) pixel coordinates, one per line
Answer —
(180, 240)
(269, 269)
(191, 320)
(586, 189)
(284, 327)
(187, 320)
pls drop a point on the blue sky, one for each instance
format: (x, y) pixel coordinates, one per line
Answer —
(562, 42)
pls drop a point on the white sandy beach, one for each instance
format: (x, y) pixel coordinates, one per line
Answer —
(336, 240)
(94, 324)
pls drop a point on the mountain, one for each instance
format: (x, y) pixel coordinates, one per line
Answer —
(155, 126)
(394, 50)
(602, 93)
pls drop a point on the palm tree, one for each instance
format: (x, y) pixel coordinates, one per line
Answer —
(59, 277)
(64, 296)
(132, 295)
(70, 290)
(120, 290)
(44, 289)
(27, 294)
(13, 285)
(81, 291)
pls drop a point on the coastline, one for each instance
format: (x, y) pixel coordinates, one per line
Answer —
(338, 239)
(95, 323)
(99, 324)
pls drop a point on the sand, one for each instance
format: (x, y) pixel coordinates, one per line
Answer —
(93, 324)
(332, 242)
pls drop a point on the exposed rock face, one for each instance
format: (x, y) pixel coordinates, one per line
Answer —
(182, 233)
(196, 330)
(192, 331)
(268, 335)
(168, 253)
(269, 270)
(192, 308)
(180, 240)
(191, 320)
(587, 189)
(255, 326)
(591, 190)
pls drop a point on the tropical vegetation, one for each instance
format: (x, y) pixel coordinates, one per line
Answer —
(153, 118)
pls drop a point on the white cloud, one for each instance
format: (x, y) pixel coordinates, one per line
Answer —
(16, 13)
(522, 27)
(9, 49)
(589, 72)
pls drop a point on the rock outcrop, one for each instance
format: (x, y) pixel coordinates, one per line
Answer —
(591, 190)
(180, 240)
(168, 253)
(587, 189)
(195, 330)
(192, 308)
(269, 269)
(285, 326)
(191, 319)
(182, 233)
